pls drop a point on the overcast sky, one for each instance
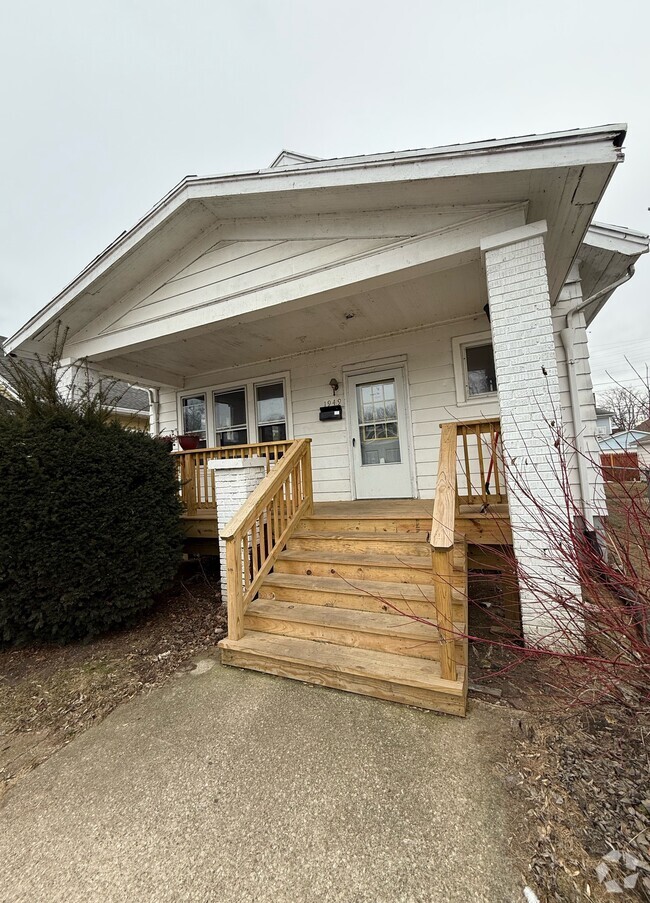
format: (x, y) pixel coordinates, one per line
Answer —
(106, 105)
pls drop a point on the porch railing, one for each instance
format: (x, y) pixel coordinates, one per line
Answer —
(260, 529)
(197, 480)
(470, 459)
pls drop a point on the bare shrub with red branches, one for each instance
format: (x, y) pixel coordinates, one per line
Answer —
(598, 639)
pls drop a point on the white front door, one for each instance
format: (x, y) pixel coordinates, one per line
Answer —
(379, 430)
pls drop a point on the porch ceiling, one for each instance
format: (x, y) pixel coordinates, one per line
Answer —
(449, 294)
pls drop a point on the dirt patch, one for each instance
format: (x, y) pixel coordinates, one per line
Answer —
(49, 694)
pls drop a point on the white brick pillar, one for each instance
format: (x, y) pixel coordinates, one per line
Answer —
(529, 400)
(234, 480)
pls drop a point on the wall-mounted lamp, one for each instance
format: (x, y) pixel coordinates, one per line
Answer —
(334, 383)
(487, 312)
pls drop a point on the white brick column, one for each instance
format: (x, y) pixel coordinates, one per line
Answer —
(529, 399)
(234, 480)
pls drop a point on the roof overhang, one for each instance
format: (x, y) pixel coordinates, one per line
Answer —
(562, 176)
(605, 260)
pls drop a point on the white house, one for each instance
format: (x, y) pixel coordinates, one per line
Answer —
(362, 303)
(603, 423)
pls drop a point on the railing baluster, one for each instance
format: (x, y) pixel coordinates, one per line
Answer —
(481, 465)
(468, 469)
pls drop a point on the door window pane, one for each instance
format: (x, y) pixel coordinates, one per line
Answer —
(230, 417)
(271, 412)
(481, 373)
(194, 417)
(378, 424)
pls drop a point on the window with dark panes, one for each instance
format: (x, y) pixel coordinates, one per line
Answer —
(480, 370)
(194, 417)
(270, 411)
(230, 417)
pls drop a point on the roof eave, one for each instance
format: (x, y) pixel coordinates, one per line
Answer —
(443, 162)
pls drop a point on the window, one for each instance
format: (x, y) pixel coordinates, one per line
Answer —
(378, 431)
(230, 417)
(271, 412)
(239, 413)
(479, 367)
(194, 417)
(474, 370)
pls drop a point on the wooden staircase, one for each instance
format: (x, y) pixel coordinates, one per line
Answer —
(350, 604)
(369, 597)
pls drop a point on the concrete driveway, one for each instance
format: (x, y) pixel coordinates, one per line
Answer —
(234, 786)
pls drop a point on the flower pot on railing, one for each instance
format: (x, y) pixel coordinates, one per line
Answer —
(188, 443)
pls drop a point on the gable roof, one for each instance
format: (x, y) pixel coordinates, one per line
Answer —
(291, 158)
(572, 170)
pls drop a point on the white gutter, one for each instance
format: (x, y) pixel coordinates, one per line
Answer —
(567, 335)
(154, 409)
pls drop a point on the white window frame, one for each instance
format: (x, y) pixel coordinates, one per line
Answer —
(461, 377)
(249, 385)
(180, 421)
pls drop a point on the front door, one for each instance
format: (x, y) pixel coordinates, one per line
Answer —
(378, 427)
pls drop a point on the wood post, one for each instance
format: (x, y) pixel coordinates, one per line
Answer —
(234, 569)
(442, 574)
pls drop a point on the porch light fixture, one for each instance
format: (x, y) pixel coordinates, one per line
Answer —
(334, 384)
(487, 312)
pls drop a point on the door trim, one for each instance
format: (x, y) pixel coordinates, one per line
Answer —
(353, 372)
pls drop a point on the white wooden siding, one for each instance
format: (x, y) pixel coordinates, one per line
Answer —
(427, 354)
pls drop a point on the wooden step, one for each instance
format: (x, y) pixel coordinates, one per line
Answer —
(379, 631)
(362, 566)
(377, 543)
(398, 678)
(362, 595)
(368, 524)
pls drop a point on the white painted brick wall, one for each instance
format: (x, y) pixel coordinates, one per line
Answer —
(235, 480)
(522, 334)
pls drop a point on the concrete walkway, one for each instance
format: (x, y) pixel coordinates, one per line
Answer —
(233, 786)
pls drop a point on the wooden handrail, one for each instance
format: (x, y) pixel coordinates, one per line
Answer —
(259, 531)
(197, 481)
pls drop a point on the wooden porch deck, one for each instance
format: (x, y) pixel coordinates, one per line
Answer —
(491, 527)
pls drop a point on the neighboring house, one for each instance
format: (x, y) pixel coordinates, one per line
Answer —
(364, 323)
(625, 441)
(643, 452)
(131, 403)
(603, 423)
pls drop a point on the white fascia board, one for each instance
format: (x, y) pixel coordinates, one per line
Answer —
(580, 147)
(618, 239)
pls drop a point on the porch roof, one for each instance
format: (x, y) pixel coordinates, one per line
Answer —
(560, 176)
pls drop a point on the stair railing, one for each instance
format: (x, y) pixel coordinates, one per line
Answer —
(442, 548)
(197, 480)
(259, 531)
(467, 475)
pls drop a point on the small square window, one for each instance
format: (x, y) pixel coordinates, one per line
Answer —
(481, 377)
